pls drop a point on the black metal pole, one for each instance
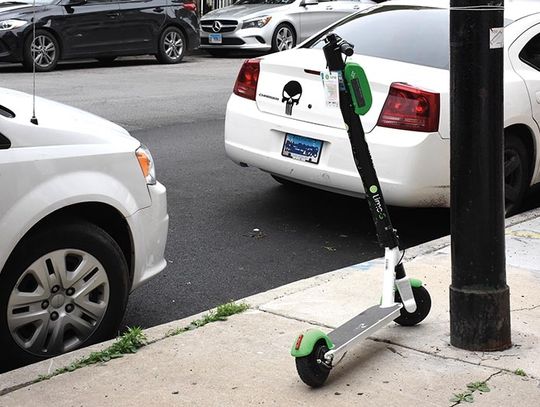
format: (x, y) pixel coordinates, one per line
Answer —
(479, 295)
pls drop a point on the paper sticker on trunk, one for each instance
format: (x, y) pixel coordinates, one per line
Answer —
(331, 88)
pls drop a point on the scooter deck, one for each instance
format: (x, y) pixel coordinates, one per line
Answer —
(363, 324)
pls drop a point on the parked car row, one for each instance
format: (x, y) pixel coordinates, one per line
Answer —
(168, 29)
(101, 29)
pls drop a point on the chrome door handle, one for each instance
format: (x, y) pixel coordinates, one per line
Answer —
(113, 15)
(329, 8)
(158, 9)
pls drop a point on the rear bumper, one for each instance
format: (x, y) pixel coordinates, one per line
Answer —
(149, 228)
(413, 168)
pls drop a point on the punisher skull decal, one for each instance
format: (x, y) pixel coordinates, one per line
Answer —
(292, 92)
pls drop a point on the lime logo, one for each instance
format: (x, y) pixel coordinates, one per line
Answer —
(373, 189)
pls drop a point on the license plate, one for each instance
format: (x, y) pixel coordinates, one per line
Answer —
(215, 39)
(302, 148)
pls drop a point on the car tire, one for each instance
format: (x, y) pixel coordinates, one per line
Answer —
(516, 173)
(172, 46)
(284, 38)
(63, 287)
(47, 51)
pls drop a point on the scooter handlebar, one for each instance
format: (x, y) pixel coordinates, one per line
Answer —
(333, 49)
(347, 48)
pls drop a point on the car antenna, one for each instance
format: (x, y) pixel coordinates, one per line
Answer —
(34, 119)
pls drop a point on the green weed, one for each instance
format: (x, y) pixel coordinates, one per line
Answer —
(520, 372)
(221, 313)
(129, 342)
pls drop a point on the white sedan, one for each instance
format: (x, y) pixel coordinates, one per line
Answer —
(279, 107)
(276, 25)
(83, 223)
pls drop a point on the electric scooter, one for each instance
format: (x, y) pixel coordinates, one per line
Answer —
(404, 300)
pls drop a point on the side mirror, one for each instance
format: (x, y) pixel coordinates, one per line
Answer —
(305, 3)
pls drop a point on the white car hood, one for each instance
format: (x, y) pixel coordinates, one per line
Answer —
(242, 12)
(58, 124)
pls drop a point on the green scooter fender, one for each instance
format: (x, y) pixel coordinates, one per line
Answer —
(415, 282)
(305, 342)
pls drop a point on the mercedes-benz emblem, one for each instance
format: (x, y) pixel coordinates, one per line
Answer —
(216, 27)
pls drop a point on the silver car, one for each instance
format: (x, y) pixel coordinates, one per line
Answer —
(271, 25)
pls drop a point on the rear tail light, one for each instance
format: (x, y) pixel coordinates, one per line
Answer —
(246, 82)
(410, 108)
(190, 6)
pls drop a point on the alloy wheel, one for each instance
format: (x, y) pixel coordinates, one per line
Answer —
(58, 302)
(173, 45)
(43, 51)
(284, 39)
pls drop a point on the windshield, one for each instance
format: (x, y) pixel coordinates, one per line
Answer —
(381, 32)
(240, 2)
(29, 2)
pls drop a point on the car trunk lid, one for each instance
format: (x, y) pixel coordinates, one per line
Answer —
(279, 72)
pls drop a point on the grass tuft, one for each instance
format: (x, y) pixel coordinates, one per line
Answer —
(134, 338)
(127, 343)
(221, 313)
(520, 372)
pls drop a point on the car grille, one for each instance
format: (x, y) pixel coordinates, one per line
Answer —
(224, 41)
(225, 26)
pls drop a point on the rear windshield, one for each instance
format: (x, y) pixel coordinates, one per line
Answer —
(413, 34)
(416, 35)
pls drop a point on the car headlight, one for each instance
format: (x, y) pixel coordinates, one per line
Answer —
(258, 22)
(147, 164)
(6, 25)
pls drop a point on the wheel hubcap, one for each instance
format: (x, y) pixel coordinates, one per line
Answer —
(513, 174)
(58, 302)
(173, 45)
(43, 51)
(284, 39)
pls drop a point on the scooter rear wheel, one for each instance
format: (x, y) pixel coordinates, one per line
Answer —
(311, 372)
(423, 306)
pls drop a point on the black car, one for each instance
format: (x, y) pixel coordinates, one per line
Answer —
(101, 29)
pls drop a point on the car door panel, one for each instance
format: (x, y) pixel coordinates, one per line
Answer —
(141, 23)
(89, 29)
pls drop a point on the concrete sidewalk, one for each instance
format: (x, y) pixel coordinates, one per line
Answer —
(245, 360)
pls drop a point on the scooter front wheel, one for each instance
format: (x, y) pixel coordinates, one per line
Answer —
(311, 369)
(423, 306)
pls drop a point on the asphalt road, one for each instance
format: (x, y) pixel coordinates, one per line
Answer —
(213, 252)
